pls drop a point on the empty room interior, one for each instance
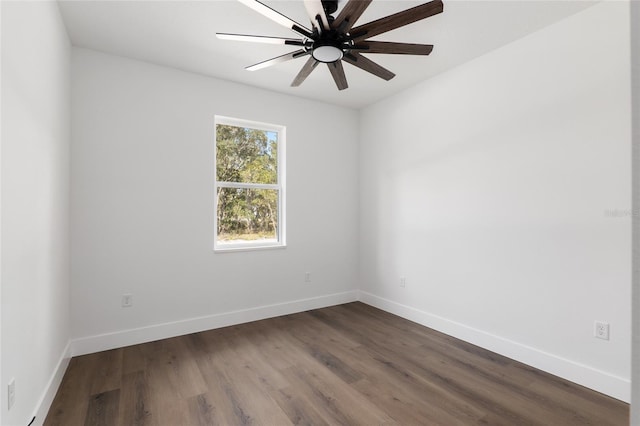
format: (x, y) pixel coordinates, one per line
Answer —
(317, 212)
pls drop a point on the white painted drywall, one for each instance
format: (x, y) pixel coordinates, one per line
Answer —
(35, 203)
(1, 204)
(142, 200)
(635, 94)
(488, 188)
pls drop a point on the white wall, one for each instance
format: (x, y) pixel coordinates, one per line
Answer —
(487, 187)
(35, 205)
(1, 204)
(142, 206)
(635, 86)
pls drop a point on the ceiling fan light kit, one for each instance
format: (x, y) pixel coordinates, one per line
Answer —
(327, 53)
(333, 40)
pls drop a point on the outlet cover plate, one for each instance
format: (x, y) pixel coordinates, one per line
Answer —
(127, 300)
(601, 330)
(11, 393)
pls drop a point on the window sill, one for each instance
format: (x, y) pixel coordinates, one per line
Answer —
(247, 247)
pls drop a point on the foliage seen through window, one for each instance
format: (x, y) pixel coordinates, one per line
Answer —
(247, 187)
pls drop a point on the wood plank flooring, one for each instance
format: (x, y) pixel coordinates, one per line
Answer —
(350, 365)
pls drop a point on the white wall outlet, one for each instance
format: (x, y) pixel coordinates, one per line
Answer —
(403, 282)
(11, 393)
(601, 330)
(127, 300)
(307, 277)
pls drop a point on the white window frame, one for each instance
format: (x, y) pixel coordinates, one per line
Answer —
(279, 186)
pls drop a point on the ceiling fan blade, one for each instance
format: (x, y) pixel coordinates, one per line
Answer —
(315, 10)
(397, 20)
(277, 60)
(260, 39)
(356, 59)
(305, 71)
(350, 14)
(337, 71)
(276, 16)
(367, 46)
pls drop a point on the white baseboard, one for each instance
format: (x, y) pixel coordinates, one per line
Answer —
(118, 339)
(52, 386)
(608, 384)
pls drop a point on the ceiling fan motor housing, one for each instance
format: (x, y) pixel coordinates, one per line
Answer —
(328, 44)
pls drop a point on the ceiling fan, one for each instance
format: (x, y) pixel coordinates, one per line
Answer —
(333, 40)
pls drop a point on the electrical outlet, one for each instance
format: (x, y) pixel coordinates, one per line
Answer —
(403, 282)
(307, 277)
(127, 300)
(601, 330)
(11, 393)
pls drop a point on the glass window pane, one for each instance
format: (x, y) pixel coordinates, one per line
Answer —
(246, 215)
(246, 155)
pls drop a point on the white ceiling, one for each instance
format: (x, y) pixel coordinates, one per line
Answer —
(181, 34)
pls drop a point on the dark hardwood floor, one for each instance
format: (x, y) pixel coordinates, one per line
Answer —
(348, 364)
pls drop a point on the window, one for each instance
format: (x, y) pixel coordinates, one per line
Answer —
(249, 185)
